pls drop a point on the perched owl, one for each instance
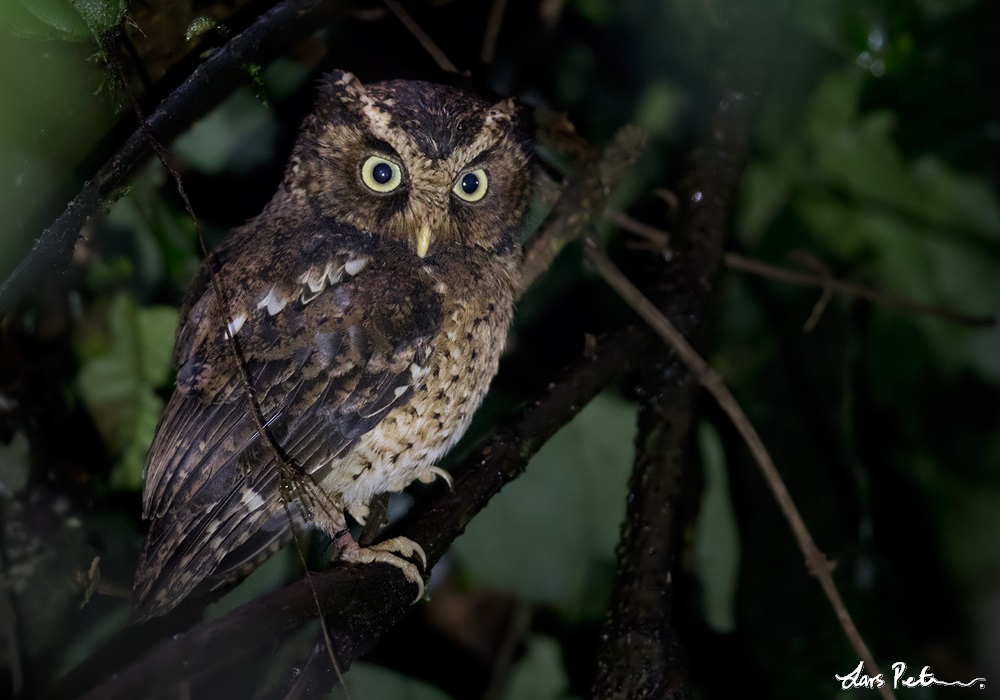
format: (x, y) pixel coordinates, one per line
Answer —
(369, 301)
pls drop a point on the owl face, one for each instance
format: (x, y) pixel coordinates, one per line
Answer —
(429, 165)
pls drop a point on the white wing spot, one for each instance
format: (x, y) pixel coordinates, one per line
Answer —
(333, 273)
(236, 324)
(315, 284)
(272, 303)
(252, 500)
(353, 267)
(400, 390)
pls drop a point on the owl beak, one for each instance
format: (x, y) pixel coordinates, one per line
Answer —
(423, 240)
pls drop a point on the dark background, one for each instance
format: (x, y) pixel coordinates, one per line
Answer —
(875, 151)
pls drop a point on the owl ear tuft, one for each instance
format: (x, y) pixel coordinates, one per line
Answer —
(504, 110)
(344, 86)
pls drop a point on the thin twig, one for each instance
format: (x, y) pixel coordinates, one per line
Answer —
(827, 283)
(517, 630)
(420, 35)
(661, 239)
(821, 305)
(806, 279)
(290, 473)
(817, 563)
(492, 32)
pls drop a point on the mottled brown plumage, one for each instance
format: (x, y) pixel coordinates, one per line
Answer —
(370, 301)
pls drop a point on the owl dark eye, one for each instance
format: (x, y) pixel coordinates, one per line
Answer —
(472, 186)
(470, 183)
(380, 174)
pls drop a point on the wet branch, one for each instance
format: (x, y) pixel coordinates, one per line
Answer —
(641, 657)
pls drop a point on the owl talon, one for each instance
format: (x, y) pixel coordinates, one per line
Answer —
(432, 473)
(392, 552)
(359, 512)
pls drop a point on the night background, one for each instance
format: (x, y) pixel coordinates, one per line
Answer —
(848, 143)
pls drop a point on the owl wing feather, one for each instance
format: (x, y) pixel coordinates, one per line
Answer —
(326, 367)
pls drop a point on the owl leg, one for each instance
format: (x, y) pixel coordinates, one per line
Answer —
(431, 473)
(391, 551)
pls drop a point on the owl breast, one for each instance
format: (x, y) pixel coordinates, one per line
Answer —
(448, 387)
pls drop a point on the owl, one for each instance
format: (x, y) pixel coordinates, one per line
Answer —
(369, 303)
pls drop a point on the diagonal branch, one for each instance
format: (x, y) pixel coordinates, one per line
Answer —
(853, 289)
(817, 563)
(422, 37)
(580, 204)
(212, 81)
(365, 601)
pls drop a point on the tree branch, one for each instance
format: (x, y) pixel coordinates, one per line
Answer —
(853, 289)
(362, 602)
(212, 81)
(816, 562)
(641, 655)
(659, 241)
(580, 204)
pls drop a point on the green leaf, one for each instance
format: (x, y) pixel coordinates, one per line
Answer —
(765, 190)
(66, 20)
(137, 434)
(273, 573)
(163, 236)
(716, 537)
(238, 135)
(546, 534)
(15, 466)
(914, 228)
(660, 108)
(118, 378)
(540, 675)
(101, 16)
(43, 19)
(366, 680)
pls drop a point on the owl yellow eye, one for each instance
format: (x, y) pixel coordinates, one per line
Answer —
(471, 186)
(380, 174)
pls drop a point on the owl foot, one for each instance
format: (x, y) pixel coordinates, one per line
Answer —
(391, 551)
(431, 473)
(359, 511)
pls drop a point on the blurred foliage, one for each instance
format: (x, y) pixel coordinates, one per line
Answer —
(523, 542)
(120, 371)
(876, 151)
(539, 675)
(71, 20)
(716, 537)
(370, 681)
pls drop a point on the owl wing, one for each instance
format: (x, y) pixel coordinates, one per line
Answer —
(326, 364)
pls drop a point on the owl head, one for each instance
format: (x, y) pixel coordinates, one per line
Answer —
(429, 165)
